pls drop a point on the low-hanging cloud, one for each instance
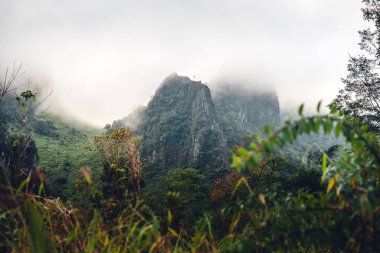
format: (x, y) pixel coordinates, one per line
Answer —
(104, 58)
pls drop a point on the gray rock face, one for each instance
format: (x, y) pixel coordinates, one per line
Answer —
(181, 128)
(244, 113)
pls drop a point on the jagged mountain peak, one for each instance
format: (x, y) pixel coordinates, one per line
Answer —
(180, 122)
(184, 125)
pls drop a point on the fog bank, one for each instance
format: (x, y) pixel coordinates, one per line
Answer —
(104, 58)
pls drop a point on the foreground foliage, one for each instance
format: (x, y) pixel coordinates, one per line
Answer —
(255, 216)
(343, 218)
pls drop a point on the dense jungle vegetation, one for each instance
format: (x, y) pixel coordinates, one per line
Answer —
(192, 175)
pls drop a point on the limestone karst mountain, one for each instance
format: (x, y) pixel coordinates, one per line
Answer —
(186, 125)
(181, 128)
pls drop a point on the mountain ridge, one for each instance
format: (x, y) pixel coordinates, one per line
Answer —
(185, 124)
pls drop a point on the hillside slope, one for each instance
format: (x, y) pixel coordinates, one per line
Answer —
(63, 148)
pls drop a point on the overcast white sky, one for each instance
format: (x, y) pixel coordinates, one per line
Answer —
(103, 58)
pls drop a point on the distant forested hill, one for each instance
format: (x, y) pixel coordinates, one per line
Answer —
(59, 145)
(63, 148)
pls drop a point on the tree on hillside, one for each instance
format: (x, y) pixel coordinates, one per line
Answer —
(122, 169)
(187, 195)
(18, 152)
(361, 95)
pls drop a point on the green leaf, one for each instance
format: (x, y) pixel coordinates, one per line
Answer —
(173, 232)
(155, 226)
(267, 130)
(319, 106)
(252, 146)
(15, 143)
(236, 163)
(121, 170)
(338, 129)
(134, 227)
(324, 163)
(300, 110)
(170, 217)
(258, 137)
(209, 227)
(243, 152)
(40, 189)
(303, 127)
(39, 238)
(317, 125)
(329, 126)
(234, 223)
(332, 182)
(22, 185)
(237, 186)
(255, 159)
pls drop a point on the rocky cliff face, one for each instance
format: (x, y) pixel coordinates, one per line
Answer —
(181, 129)
(243, 112)
(184, 126)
